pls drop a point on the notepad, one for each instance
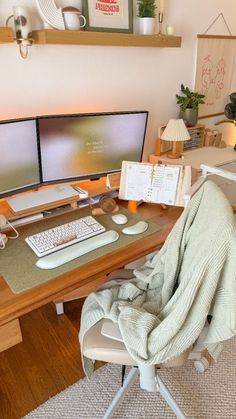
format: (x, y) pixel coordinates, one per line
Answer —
(156, 183)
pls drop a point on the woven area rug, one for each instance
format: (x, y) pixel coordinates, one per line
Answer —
(211, 395)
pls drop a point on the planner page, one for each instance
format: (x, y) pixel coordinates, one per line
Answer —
(136, 179)
(150, 183)
(164, 184)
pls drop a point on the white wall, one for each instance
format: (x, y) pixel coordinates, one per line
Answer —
(64, 79)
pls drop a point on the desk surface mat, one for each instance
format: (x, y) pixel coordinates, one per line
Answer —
(17, 260)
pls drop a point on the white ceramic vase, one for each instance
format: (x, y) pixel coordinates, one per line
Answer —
(147, 25)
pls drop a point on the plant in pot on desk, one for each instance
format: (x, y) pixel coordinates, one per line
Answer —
(189, 103)
(230, 112)
(146, 16)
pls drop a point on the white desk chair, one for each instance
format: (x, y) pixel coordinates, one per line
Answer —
(103, 342)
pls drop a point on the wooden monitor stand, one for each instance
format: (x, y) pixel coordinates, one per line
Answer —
(94, 188)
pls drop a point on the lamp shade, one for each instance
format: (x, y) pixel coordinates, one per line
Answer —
(175, 131)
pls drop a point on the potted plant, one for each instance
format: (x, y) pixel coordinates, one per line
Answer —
(230, 112)
(146, 15)
(189, 103)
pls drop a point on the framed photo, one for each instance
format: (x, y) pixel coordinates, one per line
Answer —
(108, 15)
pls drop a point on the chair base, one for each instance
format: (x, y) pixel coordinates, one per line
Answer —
(156, 386)
(121, 393)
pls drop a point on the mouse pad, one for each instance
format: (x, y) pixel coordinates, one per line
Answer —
(17, 260)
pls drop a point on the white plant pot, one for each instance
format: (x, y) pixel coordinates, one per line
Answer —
(147, 25)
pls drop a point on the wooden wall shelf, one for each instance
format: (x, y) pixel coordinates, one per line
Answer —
(50, 36)
(6, 35)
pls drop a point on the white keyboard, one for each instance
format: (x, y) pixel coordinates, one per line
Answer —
(76, 250)
(57, 238)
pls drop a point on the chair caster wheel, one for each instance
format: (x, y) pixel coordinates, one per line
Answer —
(201, 365)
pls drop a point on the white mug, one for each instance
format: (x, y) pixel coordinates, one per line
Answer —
(74, 20)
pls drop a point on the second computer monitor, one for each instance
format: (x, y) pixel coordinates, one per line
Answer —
(89, 145)
(19, 156)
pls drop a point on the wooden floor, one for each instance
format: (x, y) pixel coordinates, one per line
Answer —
(45, 363)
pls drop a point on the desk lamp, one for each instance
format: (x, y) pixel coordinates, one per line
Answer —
(175, 131)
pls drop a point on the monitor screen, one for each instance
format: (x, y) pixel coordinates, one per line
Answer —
(89, 145)
(19, 157)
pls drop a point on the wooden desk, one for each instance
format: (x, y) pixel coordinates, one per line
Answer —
(210, 156)
(89, 277)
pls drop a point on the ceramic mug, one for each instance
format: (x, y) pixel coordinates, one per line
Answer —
(74, 20)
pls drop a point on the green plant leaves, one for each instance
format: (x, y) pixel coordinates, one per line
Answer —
(230, 111)
(146, 8)
(189, 99)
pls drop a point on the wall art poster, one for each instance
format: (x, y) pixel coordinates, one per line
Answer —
(109, 15)
(215, 63)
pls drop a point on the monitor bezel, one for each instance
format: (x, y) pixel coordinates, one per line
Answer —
(25, 188)
(94, 176)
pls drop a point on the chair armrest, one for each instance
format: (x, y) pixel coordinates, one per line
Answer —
(111, 330)
(217, 171)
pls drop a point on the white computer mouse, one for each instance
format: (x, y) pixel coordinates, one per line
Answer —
(119, 218)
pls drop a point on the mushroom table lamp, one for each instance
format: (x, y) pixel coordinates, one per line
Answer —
(175, 132)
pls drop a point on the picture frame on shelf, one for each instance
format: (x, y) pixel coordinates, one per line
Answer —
(108, 16)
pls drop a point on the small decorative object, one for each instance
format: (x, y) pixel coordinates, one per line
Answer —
(176, 132)
(73, 18)
(170, 30)
(106, 205)
(22, 24)
(189, 103)
(50, 14)
(213, 138)
(108, 16)
(161, 15)
(113, 180)
(230, 112)
(147, 14)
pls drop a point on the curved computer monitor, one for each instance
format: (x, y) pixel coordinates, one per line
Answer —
(88, 146)
(19, 156)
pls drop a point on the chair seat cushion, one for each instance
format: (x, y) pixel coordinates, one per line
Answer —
(100, 348)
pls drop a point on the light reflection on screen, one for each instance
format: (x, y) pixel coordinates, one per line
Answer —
(81, 146)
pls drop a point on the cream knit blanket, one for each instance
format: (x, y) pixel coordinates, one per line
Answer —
(156, 323)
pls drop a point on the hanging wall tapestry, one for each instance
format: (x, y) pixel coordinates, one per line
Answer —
(215, 63)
